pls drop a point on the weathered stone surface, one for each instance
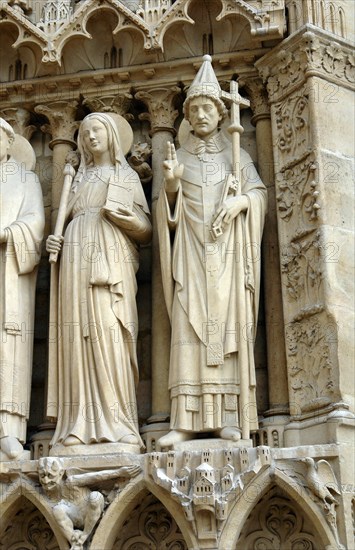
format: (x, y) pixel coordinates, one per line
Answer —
(297, 68)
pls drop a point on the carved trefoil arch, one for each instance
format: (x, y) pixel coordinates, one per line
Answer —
(278, 523)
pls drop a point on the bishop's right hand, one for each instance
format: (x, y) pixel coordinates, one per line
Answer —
(173, 171)
(54, 244)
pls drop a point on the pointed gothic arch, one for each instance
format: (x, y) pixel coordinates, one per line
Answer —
(22, 495)
(253, 494)
(128, 503)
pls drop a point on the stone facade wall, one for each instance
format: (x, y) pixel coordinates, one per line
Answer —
(294, 60)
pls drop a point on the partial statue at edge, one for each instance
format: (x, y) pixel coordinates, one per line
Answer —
(21, 233)
(92, 390)
(213, 205)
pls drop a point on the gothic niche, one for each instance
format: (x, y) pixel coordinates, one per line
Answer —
(278, 523)
(27, 529)
(150, 527)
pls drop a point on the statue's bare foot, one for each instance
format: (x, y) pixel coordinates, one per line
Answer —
(173, 437)
(230, 433)
(72, 440)
(77, 540)
(11, 446)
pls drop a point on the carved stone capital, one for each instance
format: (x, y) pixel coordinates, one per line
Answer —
(19, 119)
(62, 124)
(118, 103)
(161, 111)
(307, 53)
(259, 101)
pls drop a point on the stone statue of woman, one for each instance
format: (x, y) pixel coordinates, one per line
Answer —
(97, 315)
(21, 233)
(210, 239)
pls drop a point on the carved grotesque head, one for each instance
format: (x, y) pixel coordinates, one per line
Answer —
(140, 153)
(50, 472)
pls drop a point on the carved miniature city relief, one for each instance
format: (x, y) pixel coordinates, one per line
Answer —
(21, 233)
(92, 387)
(212, 209)
(207, 484)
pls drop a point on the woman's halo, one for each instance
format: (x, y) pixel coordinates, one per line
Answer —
(22, 151)
(124, 130)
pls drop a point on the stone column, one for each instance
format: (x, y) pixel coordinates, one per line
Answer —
(310, 81)
(62, 126)
(274, 321)
(162, 115)
(309, 87)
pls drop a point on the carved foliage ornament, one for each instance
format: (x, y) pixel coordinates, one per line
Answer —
(292, 127)
(119, 103)
(20, 121)
(298, 190)
(150, 527)
(301, 267)
(29, 529)
(311, 349)
(259, 100)
(162, 113)
(311, 55)
(61, 116)
(276, 524)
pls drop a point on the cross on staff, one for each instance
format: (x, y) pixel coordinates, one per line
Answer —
(235, 129)
(232, 185)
